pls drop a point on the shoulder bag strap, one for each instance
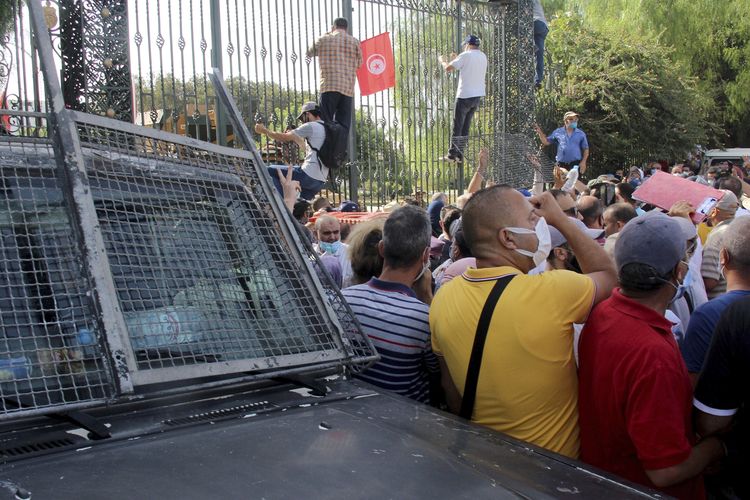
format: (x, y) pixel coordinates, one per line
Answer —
(475, 362)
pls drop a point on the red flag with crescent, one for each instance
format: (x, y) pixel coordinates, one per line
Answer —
(377, 72)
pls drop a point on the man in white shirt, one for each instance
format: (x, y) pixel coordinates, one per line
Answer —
(310, 135)
(472, 67)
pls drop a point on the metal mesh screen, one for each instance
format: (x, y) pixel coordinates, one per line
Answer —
(50, 350)
(513, 159)
(202, 272)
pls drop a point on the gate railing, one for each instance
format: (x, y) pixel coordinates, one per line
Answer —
(147, 61)
(133, 257)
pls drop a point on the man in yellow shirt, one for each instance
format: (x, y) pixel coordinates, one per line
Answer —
(527, 385)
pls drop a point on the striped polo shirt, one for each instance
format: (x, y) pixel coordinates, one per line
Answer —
(398, 325)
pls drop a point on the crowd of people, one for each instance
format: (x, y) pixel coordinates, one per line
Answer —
(580, 321)
(569, 315)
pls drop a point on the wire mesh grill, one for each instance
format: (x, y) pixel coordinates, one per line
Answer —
(50, 352)
(200, 268)
(513, 158)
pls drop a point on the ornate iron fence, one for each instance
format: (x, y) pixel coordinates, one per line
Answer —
(401, 133)
(147, 61)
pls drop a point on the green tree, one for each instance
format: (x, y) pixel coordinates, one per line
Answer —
(6, 17)
(382, 163)
(635, 102)
(710, 41)
(264, 101)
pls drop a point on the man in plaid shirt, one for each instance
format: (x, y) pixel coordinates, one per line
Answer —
(339, 56)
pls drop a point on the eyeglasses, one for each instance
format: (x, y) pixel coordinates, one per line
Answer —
(571, 212)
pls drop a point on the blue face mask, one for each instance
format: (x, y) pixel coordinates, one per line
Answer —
(574, 125)
(681, 288)
(329, 248)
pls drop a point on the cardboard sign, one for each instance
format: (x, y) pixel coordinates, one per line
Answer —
(664, 190)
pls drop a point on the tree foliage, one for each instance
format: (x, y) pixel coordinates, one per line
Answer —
(6, 17)
(257, 101)
(710, 41)
(635, 102)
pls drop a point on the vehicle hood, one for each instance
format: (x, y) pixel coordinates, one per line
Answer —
(360, 444)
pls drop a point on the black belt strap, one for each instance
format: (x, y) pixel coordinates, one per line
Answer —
(477, 351)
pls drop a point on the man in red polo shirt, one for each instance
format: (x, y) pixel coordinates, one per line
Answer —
(634, 392)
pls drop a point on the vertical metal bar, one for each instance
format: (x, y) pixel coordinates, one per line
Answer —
(216, 62)
(152, 87)
(459, 29)
(346, 10)
(177, 102)
(72, 53)
(210, 137)
(138, 40)
(83, 211)
(165, 104)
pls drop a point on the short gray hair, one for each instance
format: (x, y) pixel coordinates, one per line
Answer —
(323, 219)
(736, 241)
(406, 235)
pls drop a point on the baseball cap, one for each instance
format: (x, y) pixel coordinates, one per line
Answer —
(728, 202)
(570, 114)
(308, 106)
(688, 230)
(590, 232)
(390, 206)
(650, 239)
(472, 40)
(557, 238)
(348, 206)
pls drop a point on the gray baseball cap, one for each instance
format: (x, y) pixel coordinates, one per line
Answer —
(652, 239)
(308, 106)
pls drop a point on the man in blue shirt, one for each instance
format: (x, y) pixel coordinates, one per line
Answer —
(572, 144)
(734, 259)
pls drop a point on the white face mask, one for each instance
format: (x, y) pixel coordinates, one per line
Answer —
(544, 245)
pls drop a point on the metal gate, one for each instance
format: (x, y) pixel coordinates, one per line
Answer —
(132, 257)
(401, 133)
(147, 61)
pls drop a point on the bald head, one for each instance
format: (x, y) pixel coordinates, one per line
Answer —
(488, 211)
(591, 209)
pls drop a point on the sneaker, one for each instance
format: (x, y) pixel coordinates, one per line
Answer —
(452, 158)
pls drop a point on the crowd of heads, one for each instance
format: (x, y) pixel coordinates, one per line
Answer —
(654, 257)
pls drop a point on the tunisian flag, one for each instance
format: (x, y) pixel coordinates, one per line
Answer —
(377, 72)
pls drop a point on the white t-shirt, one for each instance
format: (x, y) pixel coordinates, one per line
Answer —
(539, 11)
(315, 133)
(472, 67)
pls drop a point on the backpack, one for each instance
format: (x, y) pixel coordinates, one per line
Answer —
(333, 153)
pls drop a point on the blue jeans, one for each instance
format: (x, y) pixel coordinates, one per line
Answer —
(310, 187)
(540, 33)
(462, 115)
(337, 106)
